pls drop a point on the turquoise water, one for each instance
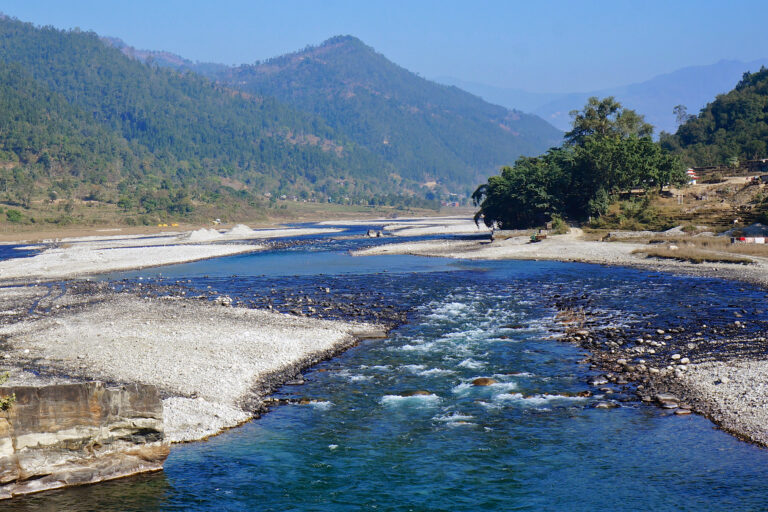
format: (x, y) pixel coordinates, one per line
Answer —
(525, 443)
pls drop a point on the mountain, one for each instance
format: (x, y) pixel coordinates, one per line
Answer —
(655, 98)
(78, 114)
(427, 132)
(733, 126)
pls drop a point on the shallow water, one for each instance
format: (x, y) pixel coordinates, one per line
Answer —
(524, 443)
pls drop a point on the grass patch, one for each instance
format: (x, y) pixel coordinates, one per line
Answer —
(692, 255)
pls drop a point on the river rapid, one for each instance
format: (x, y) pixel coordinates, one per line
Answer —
(396, 424)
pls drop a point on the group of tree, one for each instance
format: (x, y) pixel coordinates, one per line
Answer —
(733, 127)
(76, 115)
(608, 150)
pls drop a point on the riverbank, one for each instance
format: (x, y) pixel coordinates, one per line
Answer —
(727, 385)
(213, 364)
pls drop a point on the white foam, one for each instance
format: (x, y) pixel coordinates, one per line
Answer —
(423, 347)
(323, 405)
(536, 399)
(413, 367)
(435, 371)
(455, 416)
(467, 387)
(419, 400)
(471, 364)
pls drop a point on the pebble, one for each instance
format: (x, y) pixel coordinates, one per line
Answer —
(682, 412)
(684, 360)
(675, 357)
(606, 405)
(659, 331)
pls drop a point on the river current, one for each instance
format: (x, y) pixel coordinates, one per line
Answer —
(527, 442)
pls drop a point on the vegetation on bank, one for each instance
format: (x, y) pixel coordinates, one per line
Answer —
(608, 151)
(691, 255)
(730, 129)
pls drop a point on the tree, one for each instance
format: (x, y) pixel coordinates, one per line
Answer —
(608, 150)
(681, 114)
(604, 118)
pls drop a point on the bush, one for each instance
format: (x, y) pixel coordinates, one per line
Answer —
(6, 401)
(14, 216)
(559, 226)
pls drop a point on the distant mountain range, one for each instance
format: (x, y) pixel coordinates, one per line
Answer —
(692, 86)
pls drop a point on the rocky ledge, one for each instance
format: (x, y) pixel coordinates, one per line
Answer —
(72, 434)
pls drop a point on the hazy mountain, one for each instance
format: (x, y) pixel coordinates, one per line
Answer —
(518, 99)
(691, 86)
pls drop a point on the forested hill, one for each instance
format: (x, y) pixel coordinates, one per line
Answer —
(77, 112)
(733, 126)
(426, 131)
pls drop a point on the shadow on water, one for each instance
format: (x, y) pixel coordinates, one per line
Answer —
(133, 494)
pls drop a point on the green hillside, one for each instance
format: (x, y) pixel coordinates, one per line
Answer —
(426, 131)
(88, 119)
(732, 127)
(75, 108)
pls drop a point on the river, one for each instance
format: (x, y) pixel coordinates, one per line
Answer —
(526, 442)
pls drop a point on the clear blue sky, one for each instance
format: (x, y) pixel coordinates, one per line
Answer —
(549, 46)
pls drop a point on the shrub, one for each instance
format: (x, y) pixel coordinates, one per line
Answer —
(13, 216)
(559, 226)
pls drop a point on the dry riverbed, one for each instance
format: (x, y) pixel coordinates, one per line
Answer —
(212, 363)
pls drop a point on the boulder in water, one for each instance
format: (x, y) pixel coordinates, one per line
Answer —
(418, 392)
(484, 381)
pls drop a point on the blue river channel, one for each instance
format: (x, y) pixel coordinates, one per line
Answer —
(525, 443)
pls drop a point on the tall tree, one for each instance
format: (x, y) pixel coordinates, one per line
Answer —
(604, 118)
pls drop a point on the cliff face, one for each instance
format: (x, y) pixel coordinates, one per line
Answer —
(72, 434)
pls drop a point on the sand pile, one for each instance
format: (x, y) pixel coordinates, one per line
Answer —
(240, 230)
(201, 235)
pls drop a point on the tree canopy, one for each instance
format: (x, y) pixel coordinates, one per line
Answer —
(608, 150)
(732, 127)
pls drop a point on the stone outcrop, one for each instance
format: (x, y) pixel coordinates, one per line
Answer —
(72, 434)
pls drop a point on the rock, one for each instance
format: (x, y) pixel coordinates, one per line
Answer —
(584, 393)
(676, 357)
(667, 400)
(659, 331)
(418, 392)
(684, 360)
(223, 300)
(72, 434)
(606, 405)
(722, 380)
(484, 381)
(682, 412)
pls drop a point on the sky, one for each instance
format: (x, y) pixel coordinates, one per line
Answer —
(539, 46)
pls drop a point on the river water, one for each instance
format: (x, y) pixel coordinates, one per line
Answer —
(524, 443)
